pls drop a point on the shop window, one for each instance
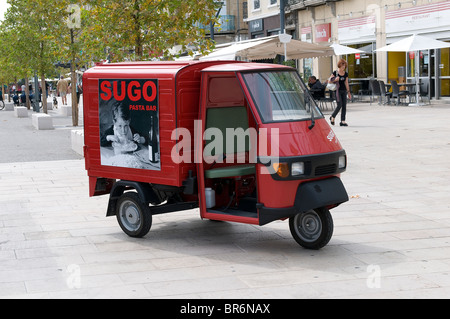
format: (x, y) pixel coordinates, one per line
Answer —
(362, 66)
(444, 67)
(307, 68)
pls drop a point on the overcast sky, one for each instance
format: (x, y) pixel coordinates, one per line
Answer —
(3, 7)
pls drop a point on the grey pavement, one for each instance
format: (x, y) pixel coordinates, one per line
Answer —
(21, 142)
(391, 240)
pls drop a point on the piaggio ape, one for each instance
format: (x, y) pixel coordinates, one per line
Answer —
(242, 142)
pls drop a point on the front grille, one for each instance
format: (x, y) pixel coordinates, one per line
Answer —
(325, 170)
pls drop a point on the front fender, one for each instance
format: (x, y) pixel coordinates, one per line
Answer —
(320, 193)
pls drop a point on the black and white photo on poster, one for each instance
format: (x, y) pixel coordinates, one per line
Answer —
(129, 123)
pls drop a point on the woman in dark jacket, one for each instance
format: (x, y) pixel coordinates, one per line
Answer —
(342, 91)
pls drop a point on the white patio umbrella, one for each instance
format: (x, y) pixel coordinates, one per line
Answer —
(415, 43)
(340, 49)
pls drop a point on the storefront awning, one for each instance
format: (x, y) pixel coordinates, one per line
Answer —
(230, 52)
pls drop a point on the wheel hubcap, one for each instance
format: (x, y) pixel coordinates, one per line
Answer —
(308, 226)
(129, 215)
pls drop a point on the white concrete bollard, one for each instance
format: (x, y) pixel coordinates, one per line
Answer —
(42, 121)
(20, 111)
(65, 110)
(9, 106)
(77, 139)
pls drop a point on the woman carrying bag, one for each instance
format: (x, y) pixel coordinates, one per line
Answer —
(340, 78)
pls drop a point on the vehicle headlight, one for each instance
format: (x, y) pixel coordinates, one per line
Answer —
(342, 161)
(298, 168)
(282, 169)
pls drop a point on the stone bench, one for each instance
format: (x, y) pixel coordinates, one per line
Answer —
(77, 139)
(20, 111)
(42, 121)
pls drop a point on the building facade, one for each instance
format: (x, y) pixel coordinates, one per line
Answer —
(366, 25)
(232, 24)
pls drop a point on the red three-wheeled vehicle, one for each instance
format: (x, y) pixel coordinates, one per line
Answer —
(242, 142)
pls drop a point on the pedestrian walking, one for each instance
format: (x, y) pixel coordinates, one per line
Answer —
(340, 78)
(62, 88)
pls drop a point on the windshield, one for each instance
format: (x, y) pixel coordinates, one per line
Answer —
(280, 96)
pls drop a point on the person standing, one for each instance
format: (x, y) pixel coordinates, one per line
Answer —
(62, 88)
(340, 78)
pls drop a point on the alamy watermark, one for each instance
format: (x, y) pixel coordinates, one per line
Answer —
(261, 145)
(374, 278)
(73, 280)
(74, 19)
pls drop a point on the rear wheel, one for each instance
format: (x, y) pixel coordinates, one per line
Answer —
(312, 229)
(134, 216)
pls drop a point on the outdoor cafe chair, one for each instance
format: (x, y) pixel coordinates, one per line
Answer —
(376, 92)
(397, 94)
(384, 94)
(423, 91)
(328, 97)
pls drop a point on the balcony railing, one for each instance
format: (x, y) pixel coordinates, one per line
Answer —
(303, 4)
(227, 24)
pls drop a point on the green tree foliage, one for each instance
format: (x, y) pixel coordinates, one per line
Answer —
(40, 33)
(144, 29)
(28, 27)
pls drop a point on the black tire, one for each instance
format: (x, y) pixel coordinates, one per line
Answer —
(134, 216)
(2, 105)
(312, 229)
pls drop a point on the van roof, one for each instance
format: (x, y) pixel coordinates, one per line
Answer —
(220, 66)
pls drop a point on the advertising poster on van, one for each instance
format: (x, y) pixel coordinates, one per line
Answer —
(129, 123)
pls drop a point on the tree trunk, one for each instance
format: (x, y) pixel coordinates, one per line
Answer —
(73, 84)
(43, 88)
(138, 47)
(27, 92)
(44, 94)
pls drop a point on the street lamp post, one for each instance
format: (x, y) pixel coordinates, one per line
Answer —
(73, 22)
(282, 27)
(211, 24)
(284, 38)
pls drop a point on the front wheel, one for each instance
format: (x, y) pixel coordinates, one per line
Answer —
(134, 216)
(312, 229)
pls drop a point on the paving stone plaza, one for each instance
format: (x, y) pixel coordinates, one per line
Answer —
(391, 240)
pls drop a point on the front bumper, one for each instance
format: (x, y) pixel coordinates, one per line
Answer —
(328, 192)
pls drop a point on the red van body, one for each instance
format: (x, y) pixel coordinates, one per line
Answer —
(152, 143)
